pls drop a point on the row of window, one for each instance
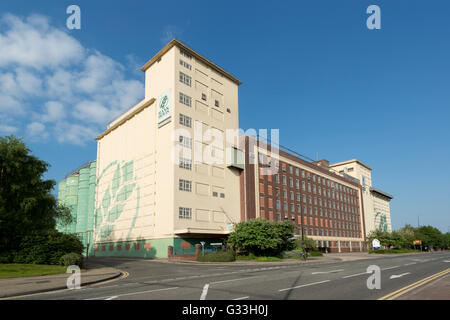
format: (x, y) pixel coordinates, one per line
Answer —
(316, 189)
(317, 201)
(186, 185)
(317, 211)
(263, 159)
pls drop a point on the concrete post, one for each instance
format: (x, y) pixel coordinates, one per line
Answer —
(169, 251)
(339, 246)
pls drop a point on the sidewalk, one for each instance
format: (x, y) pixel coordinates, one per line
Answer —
(438, 289)
(13, 287)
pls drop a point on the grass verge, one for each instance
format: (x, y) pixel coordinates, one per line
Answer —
(28, 270)
(393, 251)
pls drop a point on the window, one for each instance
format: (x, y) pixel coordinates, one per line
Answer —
(285, 194)
(203, 96)
(278, 217)
(277, 204)
(290, 169)
(291, 195)
(222, 195)
(185, 141)
(291, 182)
(185, 185)
(228, 110)
(309, 187)
(298, 197)
(297, 184)
(277, 178)
(303, 186)
(184, 78)
(284, 180)
(216, 103)
(215, 194)
(185, 120)
(185, 54)
(303, 173)
(296, 172)
(285, 206)
(184, 213)
(186, 100)
(185, 64)
(185, 163)
(292, 207)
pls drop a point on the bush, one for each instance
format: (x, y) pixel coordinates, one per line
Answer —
(217, 256)
(316, 254)
(391, 251)
(262, 237)
(6, 257)
(72, 258)
(293, 254)
(47, 247)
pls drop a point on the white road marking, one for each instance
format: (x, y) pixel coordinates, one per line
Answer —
(332, 271)
(446, 260)
(395, 276)
(390, 268)
(242, 298)
(409, 264)
(204, 292)
(354, 275)
(133, 293)
(304, 285)
(110, 298)
(234, 279)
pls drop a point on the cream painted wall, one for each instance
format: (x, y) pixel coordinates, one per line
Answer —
(150, 209)
(372, 204)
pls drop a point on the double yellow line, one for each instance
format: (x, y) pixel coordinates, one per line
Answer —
(402, 291)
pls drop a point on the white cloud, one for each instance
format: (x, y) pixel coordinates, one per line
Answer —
(54, 111)
(91, 111)
(32, 42)
(36, 131)
(5, 129)
(47, 79)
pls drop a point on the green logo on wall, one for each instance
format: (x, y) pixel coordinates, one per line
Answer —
(117, 197)
(382, 226)
(164, 107)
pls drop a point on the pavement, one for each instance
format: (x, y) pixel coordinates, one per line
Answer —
(20, 286)
(333, 277)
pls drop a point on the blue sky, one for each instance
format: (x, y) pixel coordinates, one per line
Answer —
(310, 68)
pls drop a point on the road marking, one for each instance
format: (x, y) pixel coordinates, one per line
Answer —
(304, 285)
(204, 292)
(395, 276)
(133, 293)
(398, 293)
(408, 264)
(242, 298)
(332, 271)
(234, 279)
(354, 275)
(110, 298)
(390, 268)
(446, 260)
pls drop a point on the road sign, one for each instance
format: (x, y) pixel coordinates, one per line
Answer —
(417, 242)
(376, 244)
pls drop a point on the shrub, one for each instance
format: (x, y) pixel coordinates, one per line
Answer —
(293, 254)
(72, 258)
(217, 256)
(262, 237)
(6, 257)
(316, 254)
(47, 247)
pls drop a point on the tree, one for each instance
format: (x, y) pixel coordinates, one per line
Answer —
(262, 237)
(26, 204)
(430, 236)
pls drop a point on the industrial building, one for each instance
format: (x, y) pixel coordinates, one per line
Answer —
(166, 177)
(322, 204)
(77, 192)
(377, 212)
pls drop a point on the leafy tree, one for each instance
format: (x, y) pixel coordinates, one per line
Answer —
(430, 236)
(26, 204)
(262, 237)
(408, 233)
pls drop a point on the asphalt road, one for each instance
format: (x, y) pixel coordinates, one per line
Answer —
(153, 280)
